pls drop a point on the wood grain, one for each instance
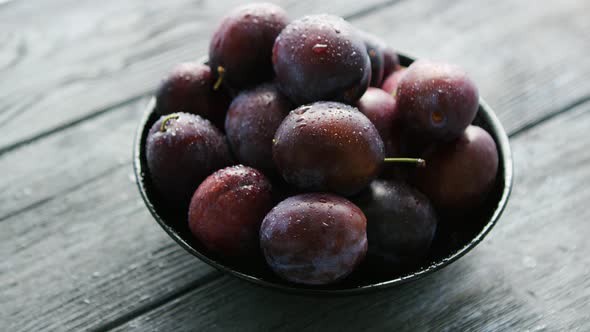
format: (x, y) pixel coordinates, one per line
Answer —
(67, 60)
(84, 253)
(519, 89)
(529, 275)
(527, 57)
(524, 46)
(91, 252)
(68, 212)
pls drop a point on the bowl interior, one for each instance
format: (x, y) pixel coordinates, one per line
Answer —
(450, 242)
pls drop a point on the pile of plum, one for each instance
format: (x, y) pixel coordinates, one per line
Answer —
(307, 143)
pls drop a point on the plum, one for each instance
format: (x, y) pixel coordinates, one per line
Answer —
(380, 108)
(182, 150)
(227, 209)
(189, 88)
(252, 120)
(241, 48)
(401, 222)
(436, 100)
(391, 82)
(459, 174)
(314, 238)
(321, 57)
(328, 146)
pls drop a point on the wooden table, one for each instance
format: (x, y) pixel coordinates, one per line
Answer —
(79, 251)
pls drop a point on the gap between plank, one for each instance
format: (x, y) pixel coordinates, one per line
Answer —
(112, 107)
(371, 9)
(155, 304)
(73, 123)
(578, 102)
(66, 191)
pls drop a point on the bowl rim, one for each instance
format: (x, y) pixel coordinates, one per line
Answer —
(506, 164)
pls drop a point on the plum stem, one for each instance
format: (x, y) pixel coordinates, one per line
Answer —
(221, 73)
(418, 161)
(165, 121)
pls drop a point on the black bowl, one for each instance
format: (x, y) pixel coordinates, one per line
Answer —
(449, 245)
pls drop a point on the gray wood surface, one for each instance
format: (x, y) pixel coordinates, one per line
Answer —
(531, 274)
(84, 254)
(69, 60)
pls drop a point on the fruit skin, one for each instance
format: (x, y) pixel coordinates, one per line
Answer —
(321, 57)
(243, 42)
(401, 222)
(314, 238)
(380, 108)
(391, 82)
(375, 47)
(227, 209)
(459, 174)
(328, 146)
(437, 100)
(189, 88)
(183, 155)
(390, 61)
(251, 122)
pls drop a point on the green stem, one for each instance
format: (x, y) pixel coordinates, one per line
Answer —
(417, 161)
(166, 119)
(220, 72)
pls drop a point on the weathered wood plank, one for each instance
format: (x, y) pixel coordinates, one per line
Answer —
(59, 166)
(71, 59)
(91, 252)
(520, 89)
(502, 44)
(529, 275)
(527, 57)
(68, 212)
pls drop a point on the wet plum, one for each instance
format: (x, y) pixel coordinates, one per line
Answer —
(321, 57)
(390, 61)
(401, 222)
(437, 100)
(314, 238)
(328, 146)
(375, 48)
(227, 209)
(242, 44)
(252, 120)
(379, 107)
(182, 150)
(459, 174)
(189, 88)
(391, 82)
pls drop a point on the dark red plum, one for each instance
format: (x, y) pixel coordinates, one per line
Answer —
(182, 150)
(321, 57)
(459, 174)
(390, 62)
(189, 88)
(252, 120)
(392, 81)
(375, 48)
(437, 100)
(401, 222)
(380, 108)
(314, 239)
(242, 44)
(227, 209)
(328, 146)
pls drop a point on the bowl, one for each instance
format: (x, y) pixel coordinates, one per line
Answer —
(449, 245)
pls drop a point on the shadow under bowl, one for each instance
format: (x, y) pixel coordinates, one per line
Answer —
(449, 245)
